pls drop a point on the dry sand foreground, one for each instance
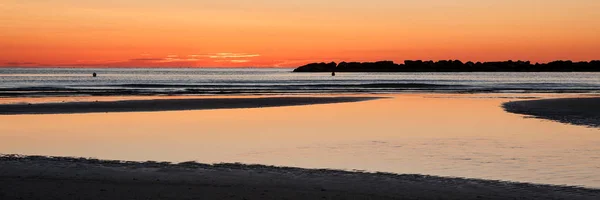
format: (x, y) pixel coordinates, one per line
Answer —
(76, 178)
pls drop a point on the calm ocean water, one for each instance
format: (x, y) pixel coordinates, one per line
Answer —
(207, 81)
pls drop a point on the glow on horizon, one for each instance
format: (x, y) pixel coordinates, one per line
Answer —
(272, 33)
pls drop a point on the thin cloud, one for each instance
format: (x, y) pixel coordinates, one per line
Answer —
(234, 58)
(239, 61)
(231, 55)
(167, 59)
(177, 58)
(146, 59)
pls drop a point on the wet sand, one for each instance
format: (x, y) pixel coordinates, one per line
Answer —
(38, 177)
(169, 104)
(577, 111)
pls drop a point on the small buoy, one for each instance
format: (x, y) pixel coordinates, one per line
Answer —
(332, 73)
(94, 74)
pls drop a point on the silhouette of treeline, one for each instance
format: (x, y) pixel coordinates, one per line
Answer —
(452, 66)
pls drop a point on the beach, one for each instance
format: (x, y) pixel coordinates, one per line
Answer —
(299, 100)
(42, 177)
(577, 111)
(156, 105)
(447, 135)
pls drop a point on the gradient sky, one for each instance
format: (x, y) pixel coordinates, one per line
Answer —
(293, 32)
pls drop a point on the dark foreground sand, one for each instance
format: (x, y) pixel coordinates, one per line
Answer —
(169, 104)
(40, 177)
(578, 111)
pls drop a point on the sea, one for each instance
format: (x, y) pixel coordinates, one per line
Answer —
(36, 82)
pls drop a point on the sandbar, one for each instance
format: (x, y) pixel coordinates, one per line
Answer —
(153, 105)
(577, 111)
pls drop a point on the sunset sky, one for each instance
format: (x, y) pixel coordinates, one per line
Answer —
(278, 33)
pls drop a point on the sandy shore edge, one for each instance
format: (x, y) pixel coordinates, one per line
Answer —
(154, 105)
(42, 177)
(576, 111)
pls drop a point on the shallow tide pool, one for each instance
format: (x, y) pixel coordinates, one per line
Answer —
(435, 134)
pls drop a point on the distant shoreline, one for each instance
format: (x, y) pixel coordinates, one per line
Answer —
(41, 177)
(452, 66)
(153, 105)
(577, 111)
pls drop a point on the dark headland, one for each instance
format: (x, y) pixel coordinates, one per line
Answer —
(39, 177)
(452, 66)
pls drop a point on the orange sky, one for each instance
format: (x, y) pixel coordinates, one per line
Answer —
(271, 33)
